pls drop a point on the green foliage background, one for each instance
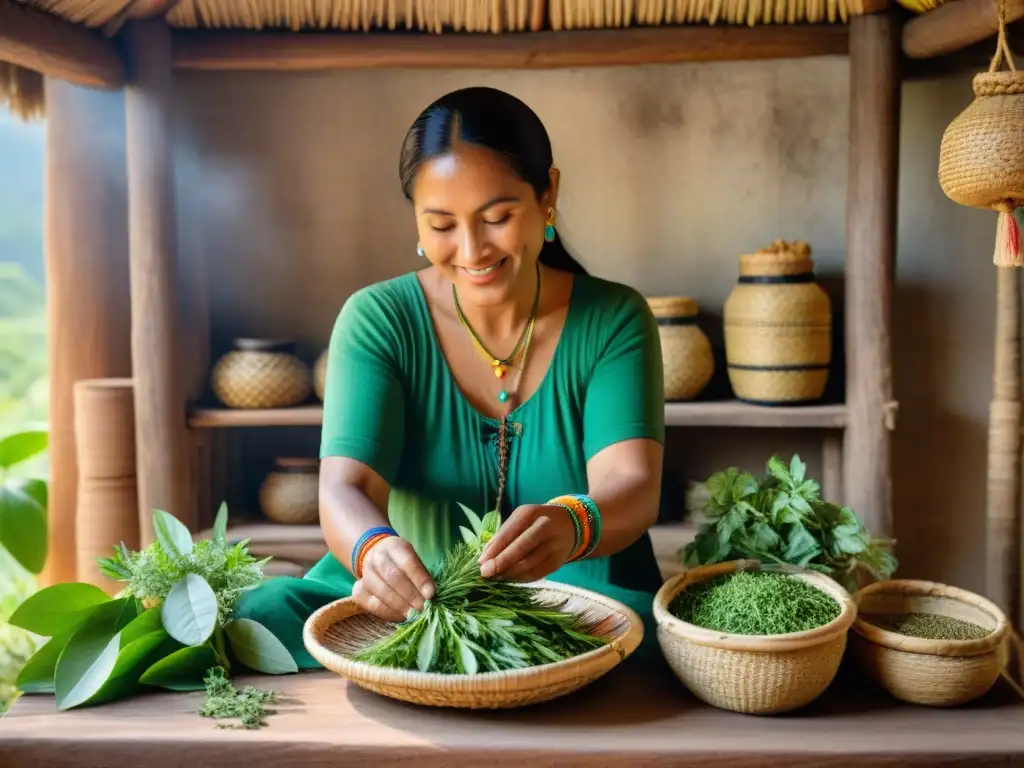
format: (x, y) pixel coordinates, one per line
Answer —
(23, 354)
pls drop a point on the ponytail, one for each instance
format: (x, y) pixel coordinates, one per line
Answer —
(555, 255)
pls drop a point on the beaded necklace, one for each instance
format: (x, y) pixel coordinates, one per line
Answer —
(500, 367)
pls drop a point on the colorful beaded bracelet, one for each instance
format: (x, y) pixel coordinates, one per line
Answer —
(586, 518)
(365, 543)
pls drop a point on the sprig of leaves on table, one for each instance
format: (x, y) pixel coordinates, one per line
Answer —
(473, 624)
(783, 519)
(169, 626)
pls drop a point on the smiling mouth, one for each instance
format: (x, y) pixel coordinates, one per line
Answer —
(485, 270)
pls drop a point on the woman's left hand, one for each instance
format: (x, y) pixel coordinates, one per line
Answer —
(533, 542)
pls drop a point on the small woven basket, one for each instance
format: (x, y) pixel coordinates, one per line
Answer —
(778, 328)
(290, 494)
(752, 674)
(685, 350)
(261, 373)
(339, 630)
(981, 156)
(937, 673)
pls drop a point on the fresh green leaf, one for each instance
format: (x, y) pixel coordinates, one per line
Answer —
(89, 658)
(778, 470)
(744, 486)
(801, 546)
(489, 525)
(426, 651)
(182, 670)
(190, 611)
(734, 520)
(797, 469)
(220, 525)
(800, 505)
(21, 446)
(258, 648)
(131, 661)
(468, 536)
(23, 529)
(145, 623)
(468, 659)
(36, 676)
(57, 607)
(473, 518)
(848, 540)
(763, 538)
(173, 535)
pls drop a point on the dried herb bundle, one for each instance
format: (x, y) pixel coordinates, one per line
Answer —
(476, 625)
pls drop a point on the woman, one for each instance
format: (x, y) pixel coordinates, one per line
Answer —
(501, 376)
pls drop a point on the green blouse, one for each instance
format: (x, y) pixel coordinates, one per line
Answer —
(392, 403)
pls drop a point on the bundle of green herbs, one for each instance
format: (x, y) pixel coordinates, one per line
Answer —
(782, 518)
(755, 603)
(170, 627)
(476, 625)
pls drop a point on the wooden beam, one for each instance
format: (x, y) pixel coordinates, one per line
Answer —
(237, 50)
(57, 48)
(955, 25)
(870, 252)
(161, 437)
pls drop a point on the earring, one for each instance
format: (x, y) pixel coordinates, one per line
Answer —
(420, 252)
(549, 230)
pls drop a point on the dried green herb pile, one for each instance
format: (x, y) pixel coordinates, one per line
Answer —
(930, 626)
(476, 625)
(755, 603)
(249, 705)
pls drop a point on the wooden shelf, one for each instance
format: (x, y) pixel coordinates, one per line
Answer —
(319, 51)
(724, 413)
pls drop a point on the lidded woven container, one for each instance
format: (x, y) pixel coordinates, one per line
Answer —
(685, 350)
(778, 328)
(261, 373)
(290, 493)
(981, 157)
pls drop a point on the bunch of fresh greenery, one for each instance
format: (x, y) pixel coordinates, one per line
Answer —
(783, 519)
(475, 625)
(167, 628)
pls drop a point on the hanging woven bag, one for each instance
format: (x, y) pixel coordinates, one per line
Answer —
(981, 158)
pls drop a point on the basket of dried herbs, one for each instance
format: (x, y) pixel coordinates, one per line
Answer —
(478, 643)
(753, 638)
(929, 643)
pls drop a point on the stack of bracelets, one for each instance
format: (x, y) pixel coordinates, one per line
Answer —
(365, 544)
(586, 518)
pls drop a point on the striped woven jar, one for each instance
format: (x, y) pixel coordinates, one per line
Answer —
(685, 350)
(778, 328)
(261, 373)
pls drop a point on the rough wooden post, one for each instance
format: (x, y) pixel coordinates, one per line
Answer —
(870, 252)
(161, 436)
(86, 254)
(832, 467)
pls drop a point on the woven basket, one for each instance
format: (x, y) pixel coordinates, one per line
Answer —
(261, 373)
(320, 375)
(981, 156)
(938, 673)
(685, 350)
(291, 493)
(747, 673)
(778, 328)
(339, 630)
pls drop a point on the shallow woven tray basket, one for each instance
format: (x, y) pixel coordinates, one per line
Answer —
(341, 629)
(746, 673)
(938, 673)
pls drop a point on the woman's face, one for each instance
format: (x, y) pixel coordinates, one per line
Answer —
(480, 225)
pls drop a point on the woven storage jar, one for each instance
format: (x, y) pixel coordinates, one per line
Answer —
(752, 674)
(938, 673)
(778, 328)
(261, 373)
(339, 630)
(685, 350)
(981, 156)
(290, 494)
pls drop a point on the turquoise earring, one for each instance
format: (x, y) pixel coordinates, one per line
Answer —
(549, 230)
(420, 252)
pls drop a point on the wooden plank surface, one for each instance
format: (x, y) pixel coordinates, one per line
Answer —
(278, 51)
(955, 25)
(725, 413)
(56, 48)
(638, 715)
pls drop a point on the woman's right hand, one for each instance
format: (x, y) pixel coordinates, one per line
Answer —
(394, 581)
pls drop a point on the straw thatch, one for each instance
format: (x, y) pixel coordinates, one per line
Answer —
(21, 91)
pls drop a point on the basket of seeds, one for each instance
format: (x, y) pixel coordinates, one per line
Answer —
(478, 643)
(753, 638)
(928, 643)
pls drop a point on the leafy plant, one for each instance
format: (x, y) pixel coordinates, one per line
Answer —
(783, 519)
(172, 623)
(475, 625)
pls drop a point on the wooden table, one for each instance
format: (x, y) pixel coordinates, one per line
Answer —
(638, 716)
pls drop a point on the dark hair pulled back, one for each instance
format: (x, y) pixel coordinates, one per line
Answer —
(494, 120)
